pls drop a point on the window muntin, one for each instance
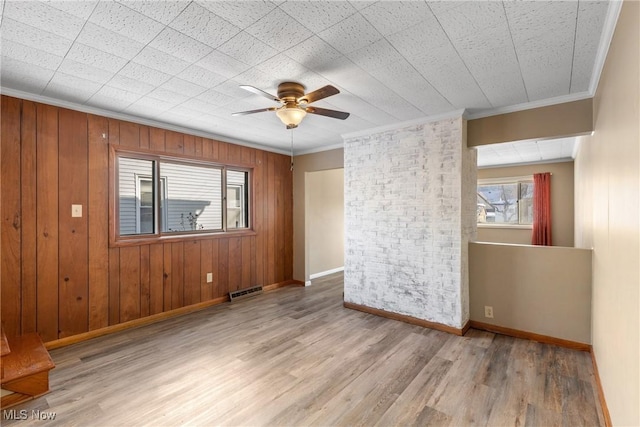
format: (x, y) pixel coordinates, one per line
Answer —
(505, 201)
(189, 197)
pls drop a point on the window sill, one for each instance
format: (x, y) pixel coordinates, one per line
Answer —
(507, 226)
(140, 241)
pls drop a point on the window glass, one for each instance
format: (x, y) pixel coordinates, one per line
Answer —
(526, 203)
(135, 196)
(237, 199)
(509, 203)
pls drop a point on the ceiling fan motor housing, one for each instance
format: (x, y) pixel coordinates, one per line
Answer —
(290, 91)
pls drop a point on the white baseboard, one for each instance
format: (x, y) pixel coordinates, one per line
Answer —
(326, 273)
(307, 283)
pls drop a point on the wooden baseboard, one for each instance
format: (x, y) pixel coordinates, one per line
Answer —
(574, 345)
(62, 342)
(282, 285)
(408, 319)
(603, 402)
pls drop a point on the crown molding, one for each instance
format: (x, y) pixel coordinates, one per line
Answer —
(608, 28)
(131, 118)
(319, 149)
(415, 122)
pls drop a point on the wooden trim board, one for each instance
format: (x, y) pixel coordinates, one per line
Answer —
(603, 402)
(574, 345)
(408, 319)
(154, 318)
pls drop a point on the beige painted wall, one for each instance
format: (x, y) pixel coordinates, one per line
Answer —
(325, 160)
(531, 289)
(607, 181)
(324, 193)
(562, 199)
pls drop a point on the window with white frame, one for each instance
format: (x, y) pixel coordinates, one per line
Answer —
(505, 201)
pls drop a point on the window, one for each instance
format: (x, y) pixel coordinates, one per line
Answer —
(505, 201)
(161, 196)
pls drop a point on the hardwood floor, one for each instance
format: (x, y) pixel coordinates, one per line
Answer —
(295, 356)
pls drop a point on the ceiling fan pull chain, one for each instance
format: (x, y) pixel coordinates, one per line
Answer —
(291, 149)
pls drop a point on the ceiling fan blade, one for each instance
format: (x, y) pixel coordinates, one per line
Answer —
(329, 113)
(260, 92)
(319, 94)
(244, 113)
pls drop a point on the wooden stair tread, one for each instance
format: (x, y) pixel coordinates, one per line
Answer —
(4, 344)
(28, 356)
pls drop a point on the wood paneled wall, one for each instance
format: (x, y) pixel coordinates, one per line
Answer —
(59, 275)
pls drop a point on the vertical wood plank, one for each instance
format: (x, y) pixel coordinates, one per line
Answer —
(114, 286)
(258, 183)
(73, 231)
(156, 279)
(206, 289)
(235, 264)
(288, 222)
(47, 221)
(270, 219)
(173, 142)
(198, 146)
(223, 149)
(177, 276)
(245, 262)
(223, 268)
(215, 150)
(192, 294)
(28, 185)
(145, 281)
(215, 259)
(253, 278)
(98, 214)
(144, 137)
(11, 219)
(189, 145)
(234, 154)
(114, 131)
(167, 277)
(129, 283)
(207, 149)
(248, 156)
(156, 139)
(130, 134)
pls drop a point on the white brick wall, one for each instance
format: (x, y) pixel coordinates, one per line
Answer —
(409, 213)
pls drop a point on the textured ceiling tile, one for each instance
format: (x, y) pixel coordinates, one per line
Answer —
(392, 16)
(281, 68)
(44, 17)
(122, 97)
(160, 61)
(241, 14)
(85, 71)
(402, 78)
(168, 96)
(361, 4)
(176, 84)
(91, 56)
(204, 26)
(375, 55)
(179, 45)
(591, 16)
(33, 37)
(30, 55)
(213, 97)
(148, 107)
(163, 11)
(201, 76)
(144, 74)
(223, 64)
(80, 87)
(318, 16)
(279, 30)
(255, 77)
(108, 41)
(543, 35)
(313, 53)
(23, 76)
(131, 85)
(231, 88)
(248, 49)
(81, 9)
(351, 34)
(127, 22)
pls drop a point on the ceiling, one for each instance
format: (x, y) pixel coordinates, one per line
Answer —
(513, 153)
(179, 63)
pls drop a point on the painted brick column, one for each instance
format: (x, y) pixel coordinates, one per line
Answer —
(410, 210)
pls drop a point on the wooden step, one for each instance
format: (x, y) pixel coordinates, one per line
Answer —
(25, 370)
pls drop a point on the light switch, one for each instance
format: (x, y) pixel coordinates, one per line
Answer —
(76, 211)
(209, 277)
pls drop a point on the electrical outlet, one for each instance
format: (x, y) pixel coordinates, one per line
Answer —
(209, 277)
(488, 311)
(76, 211)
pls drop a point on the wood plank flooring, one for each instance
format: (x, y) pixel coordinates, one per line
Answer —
(295, 356)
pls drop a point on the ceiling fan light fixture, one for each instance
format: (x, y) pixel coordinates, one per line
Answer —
(291, 116)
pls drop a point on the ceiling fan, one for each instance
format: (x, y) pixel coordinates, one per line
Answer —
(295, 103)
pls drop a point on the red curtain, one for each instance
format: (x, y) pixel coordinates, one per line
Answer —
(541, 209)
